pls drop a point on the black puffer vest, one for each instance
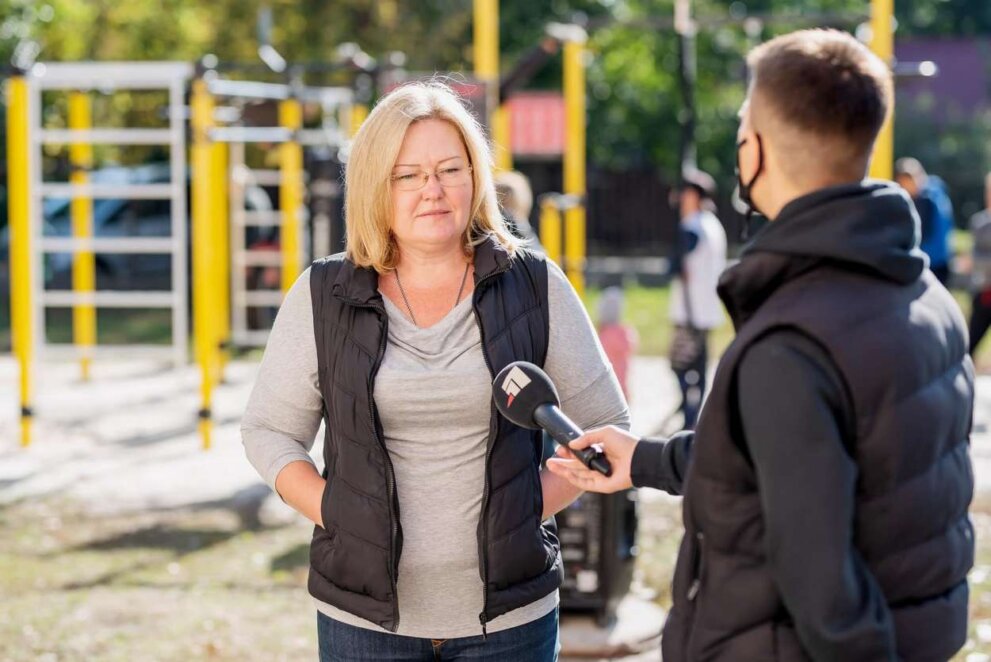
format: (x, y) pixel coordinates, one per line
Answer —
(354, 561)
(839, 267)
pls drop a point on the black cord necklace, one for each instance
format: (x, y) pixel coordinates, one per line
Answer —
(409, 308)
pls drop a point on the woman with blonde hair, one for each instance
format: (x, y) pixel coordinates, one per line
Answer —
(433, 537)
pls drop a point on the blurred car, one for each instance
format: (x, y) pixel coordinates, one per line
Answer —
(115, 217)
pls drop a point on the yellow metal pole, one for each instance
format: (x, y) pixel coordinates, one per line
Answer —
(574, 162)
(501, 138)
(486, 55)
(220, 225)
(204, 255)
(83, 260)
(883, 45)
(550, 228)
(290, 193)
(19, 201)
(356, 116)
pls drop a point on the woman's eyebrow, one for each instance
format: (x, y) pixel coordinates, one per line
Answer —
(417, 165)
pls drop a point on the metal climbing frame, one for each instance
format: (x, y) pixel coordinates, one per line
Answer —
(82, 78)
(289, 177)
(28, 191)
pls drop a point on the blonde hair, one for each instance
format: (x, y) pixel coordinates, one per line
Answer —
(368, 176)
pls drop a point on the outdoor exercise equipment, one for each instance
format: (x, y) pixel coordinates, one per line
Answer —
(28, 191)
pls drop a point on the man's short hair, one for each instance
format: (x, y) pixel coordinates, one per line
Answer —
(824, 95)
(514, 194)
(700, 181)
(910, 167)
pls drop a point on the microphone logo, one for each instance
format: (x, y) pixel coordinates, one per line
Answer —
(515, 382)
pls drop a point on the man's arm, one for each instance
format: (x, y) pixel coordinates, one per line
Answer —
(657, 463)
(662, 463)
(795, 416)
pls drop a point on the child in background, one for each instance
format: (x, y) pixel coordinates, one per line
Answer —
(618, 340)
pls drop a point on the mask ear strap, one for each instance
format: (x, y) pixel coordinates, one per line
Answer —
(745, 228)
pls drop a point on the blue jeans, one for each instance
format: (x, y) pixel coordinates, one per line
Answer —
(536, 641)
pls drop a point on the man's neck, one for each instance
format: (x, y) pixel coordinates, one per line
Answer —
(785, 191)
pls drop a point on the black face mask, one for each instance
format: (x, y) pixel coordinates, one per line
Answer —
(745, 189)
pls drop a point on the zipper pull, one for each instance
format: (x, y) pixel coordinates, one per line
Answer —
(693, 590)
(481, 619)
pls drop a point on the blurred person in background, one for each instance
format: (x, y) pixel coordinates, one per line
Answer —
(928, 192)
(694, 306)
(619, 340)
(434, 536)
(515, 198)
(827, 484)
(980, 270)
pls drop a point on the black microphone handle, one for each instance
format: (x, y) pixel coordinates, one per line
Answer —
(563, 430)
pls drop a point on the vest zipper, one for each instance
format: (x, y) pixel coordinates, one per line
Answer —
(390, 474)
(493, 429)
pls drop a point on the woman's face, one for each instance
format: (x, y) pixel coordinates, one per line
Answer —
(432, 216)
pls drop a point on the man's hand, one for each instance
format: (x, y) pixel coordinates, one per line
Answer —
(618, 447)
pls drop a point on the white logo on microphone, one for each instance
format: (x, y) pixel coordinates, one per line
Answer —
(515, 382)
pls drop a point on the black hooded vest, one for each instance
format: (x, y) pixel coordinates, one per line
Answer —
(354, 560)
(901, 351)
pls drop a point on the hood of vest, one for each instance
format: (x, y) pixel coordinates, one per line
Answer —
(359, 285)
(869, 226)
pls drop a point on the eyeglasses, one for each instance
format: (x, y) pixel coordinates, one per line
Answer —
(448, 177)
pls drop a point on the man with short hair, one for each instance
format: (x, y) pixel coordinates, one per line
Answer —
(935, 210)
(980, 270)
(825, 503)
(694, 307)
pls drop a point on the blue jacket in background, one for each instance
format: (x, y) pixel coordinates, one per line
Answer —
(936, 217)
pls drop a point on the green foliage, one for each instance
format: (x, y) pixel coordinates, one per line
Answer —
(944, 17)
(634, 100)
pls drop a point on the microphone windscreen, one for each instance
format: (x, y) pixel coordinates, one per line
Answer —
(519, 389)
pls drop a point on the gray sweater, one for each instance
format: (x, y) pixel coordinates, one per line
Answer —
(433, 395)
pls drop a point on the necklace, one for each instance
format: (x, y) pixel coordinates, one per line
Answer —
(409, 308)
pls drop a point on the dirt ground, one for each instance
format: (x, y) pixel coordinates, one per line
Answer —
(123, 540)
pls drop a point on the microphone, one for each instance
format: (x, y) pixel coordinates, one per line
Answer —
(525, 395)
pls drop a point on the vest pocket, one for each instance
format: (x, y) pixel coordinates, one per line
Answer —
(324, 512)
(693, 595)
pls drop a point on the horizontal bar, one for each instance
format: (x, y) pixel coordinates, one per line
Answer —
(258, 177)
(251, 134)
(65, 351)
(242, 88)
(259, 298)
(105, 136)
(109, 75)
(108, 244)
(320, 137)
(103, 191)
(252, 338)
(278, 91)
(268, 218)
(258, 258)
(326, 95)
(108, 299)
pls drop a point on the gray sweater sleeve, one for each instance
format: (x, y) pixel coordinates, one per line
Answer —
(285, 407)
(577, 364)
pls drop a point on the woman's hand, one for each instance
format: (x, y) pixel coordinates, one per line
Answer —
(302, 487)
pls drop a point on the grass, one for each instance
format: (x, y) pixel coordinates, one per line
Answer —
(196, 585)
(646, 310)
(186, 585)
